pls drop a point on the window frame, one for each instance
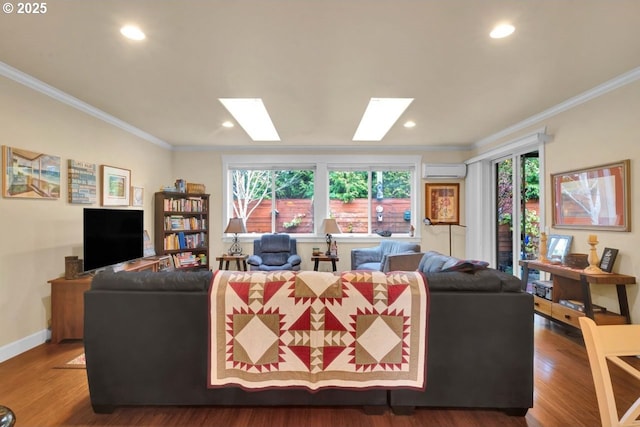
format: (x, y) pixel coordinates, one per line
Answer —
(322, 164)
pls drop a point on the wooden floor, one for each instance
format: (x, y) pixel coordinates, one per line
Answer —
(42, 395)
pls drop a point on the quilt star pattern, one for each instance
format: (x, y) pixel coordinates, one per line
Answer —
(314, 330)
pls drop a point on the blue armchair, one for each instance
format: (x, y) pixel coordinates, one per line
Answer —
(377, 257)
(274, 252)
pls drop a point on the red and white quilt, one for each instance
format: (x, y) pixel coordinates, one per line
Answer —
(355, 329)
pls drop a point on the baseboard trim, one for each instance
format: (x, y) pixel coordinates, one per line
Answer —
(27, 343)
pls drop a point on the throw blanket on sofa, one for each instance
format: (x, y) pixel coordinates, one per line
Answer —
(355, 329)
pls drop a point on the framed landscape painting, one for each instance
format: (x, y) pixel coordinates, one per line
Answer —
(30, 174)
(592, 198)
(116, 186)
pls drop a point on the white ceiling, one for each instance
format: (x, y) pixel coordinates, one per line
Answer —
(316, 63)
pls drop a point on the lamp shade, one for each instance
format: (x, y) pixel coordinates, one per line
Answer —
(330, 226)
(236, 225)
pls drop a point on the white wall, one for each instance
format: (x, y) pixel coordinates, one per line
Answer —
(36, 235)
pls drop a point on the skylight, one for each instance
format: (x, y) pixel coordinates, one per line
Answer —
(251, 114)
(380, 115)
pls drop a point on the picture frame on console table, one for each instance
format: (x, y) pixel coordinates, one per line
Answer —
(116, 186)
(608, 259)
(592, 198)
(442, 203)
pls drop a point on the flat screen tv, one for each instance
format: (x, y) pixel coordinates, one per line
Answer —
(112, 236)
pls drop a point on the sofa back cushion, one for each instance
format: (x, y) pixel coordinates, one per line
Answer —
(433, 261)
(446, 273)
(184, 281)
(485, 280)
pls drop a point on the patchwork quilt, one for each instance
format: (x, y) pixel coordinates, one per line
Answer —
(315, 330)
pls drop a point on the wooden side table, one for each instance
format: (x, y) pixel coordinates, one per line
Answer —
(241, 261)
(67, 307)
(317, 258)
(67, 300)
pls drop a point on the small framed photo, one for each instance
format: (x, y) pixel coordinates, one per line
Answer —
(137, 196)
(116, 186)
(608, 259)
(442, 203)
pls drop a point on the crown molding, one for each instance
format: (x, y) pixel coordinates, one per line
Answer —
(305, 148)
(40, 86)
(606, 87)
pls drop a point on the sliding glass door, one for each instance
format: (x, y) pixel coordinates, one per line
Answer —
(517, 179)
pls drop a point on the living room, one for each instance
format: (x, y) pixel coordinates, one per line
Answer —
(593, 126)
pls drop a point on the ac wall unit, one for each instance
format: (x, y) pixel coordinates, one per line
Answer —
(444, 170)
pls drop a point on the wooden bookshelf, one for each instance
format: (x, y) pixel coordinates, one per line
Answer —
(181, 226)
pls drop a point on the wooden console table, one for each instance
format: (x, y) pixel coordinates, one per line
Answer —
(575, 284)
(67, 301)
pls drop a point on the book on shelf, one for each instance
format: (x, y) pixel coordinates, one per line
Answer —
(185, 259)
(182, 243)
(579, 305)
(178, 222)
(191, 204)
(182, 240)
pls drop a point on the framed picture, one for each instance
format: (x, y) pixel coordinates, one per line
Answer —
(442, 203)
(558, 247)
(148, 249)
(82, 182)
(137, 196)
(30, 174)
(116, 185)
(592, 198)
(608, 259)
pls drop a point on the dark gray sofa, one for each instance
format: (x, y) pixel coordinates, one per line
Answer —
(146, 340)
(480, 346)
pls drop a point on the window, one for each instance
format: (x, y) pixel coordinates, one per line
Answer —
(291, 194)
(274, 201)
(371, 201)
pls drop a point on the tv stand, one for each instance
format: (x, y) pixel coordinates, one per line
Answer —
(67, 300)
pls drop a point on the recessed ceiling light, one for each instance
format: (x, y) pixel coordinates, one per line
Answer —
(501, 31)
(409, 124)
(251, 114)
(227, 124)
(132, 32)
(380, 115)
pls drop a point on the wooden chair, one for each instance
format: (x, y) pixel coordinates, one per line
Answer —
(609, 342)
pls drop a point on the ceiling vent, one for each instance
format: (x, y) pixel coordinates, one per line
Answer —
(444, 170)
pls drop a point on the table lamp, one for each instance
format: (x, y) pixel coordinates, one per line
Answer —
(329, 226)
(235, 226)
